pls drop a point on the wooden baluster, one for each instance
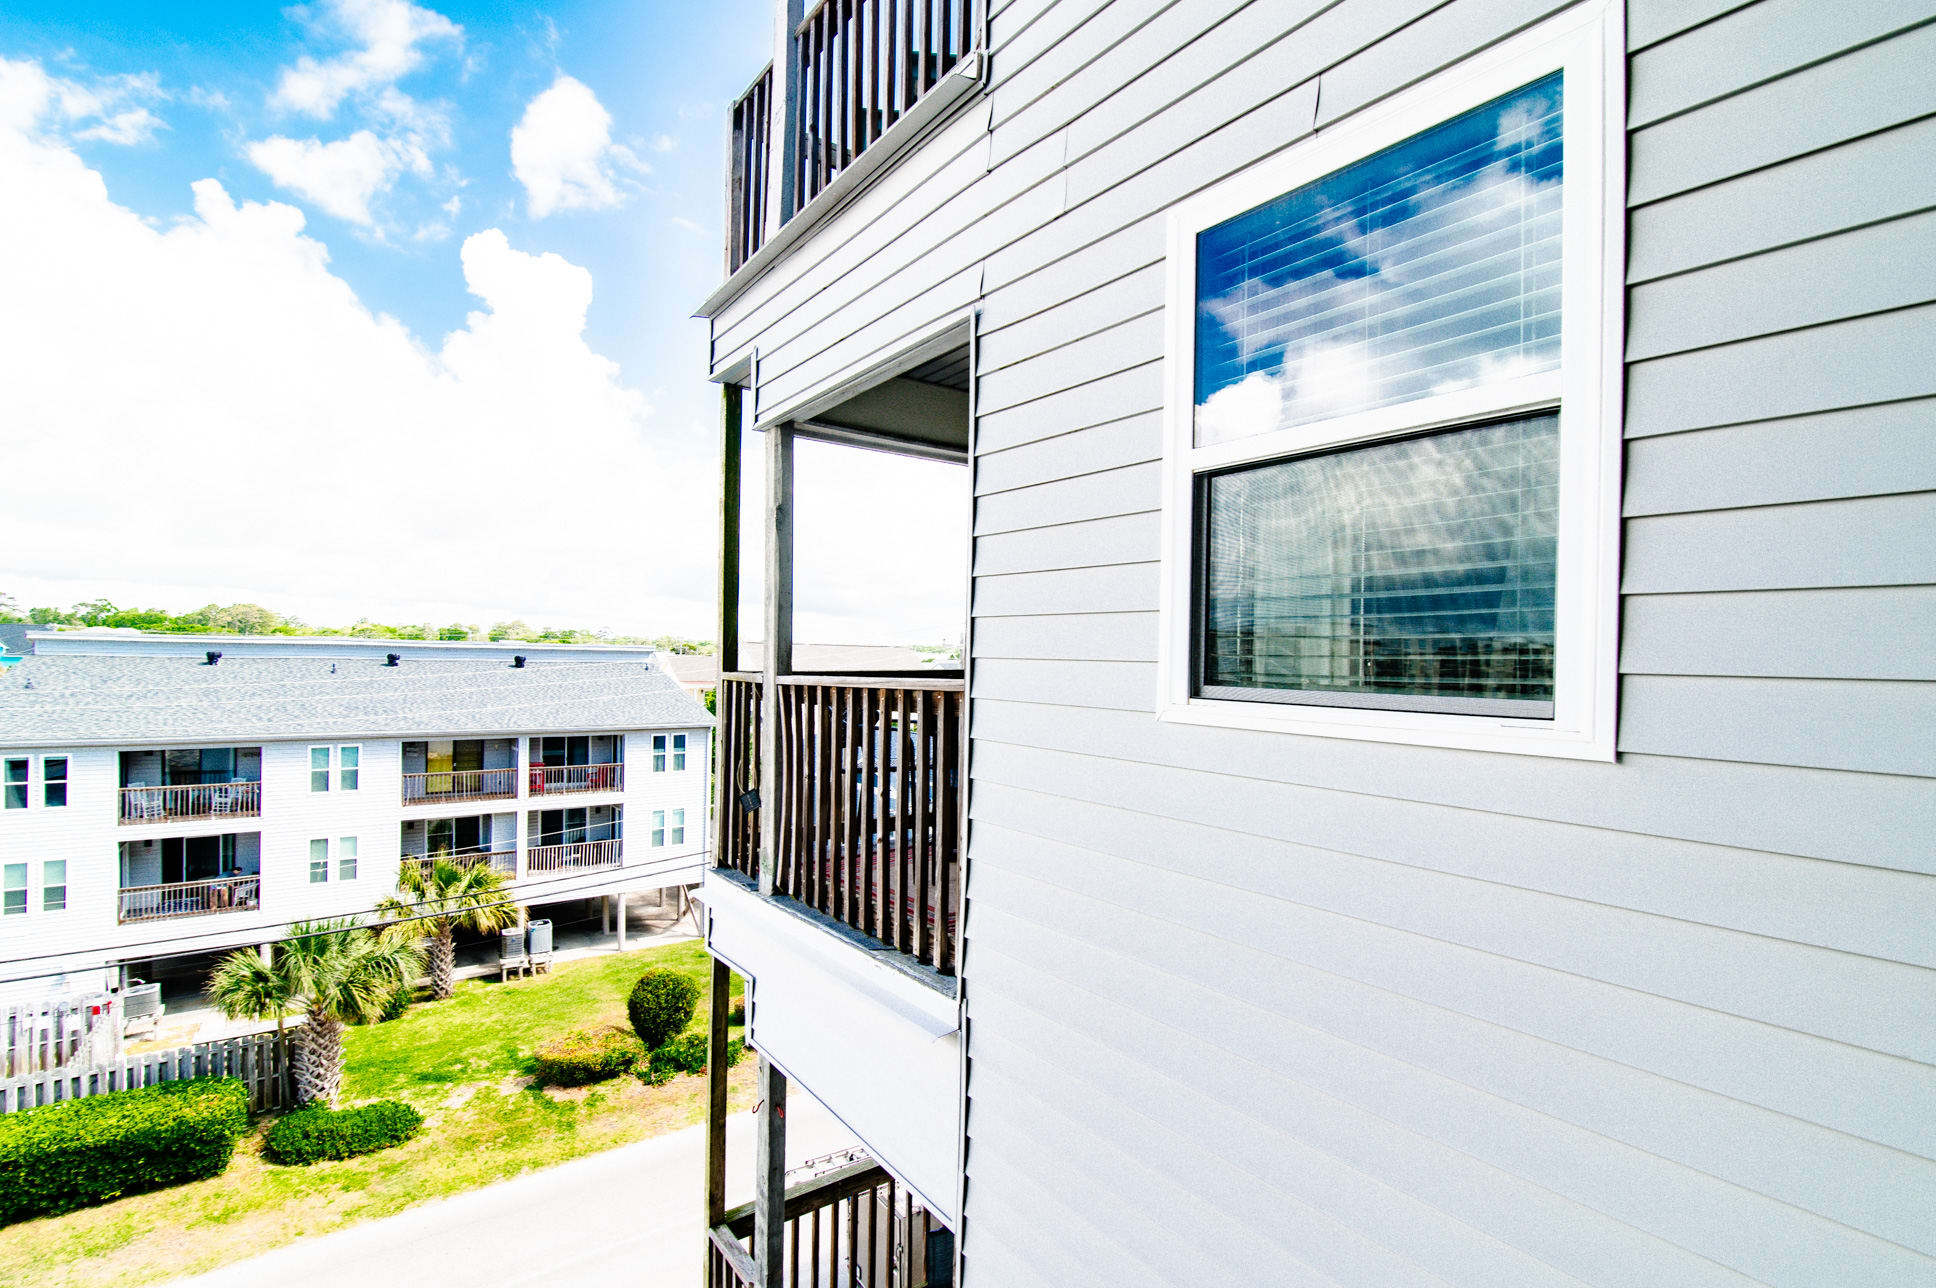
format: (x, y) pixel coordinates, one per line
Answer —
(923, 821)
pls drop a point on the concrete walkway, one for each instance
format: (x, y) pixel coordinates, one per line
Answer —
(629, 1217)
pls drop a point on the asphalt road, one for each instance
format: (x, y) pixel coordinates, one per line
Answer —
(630, 1217)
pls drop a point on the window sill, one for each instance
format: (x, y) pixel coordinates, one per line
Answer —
(1579, 740)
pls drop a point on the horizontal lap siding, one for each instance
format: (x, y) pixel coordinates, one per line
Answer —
(1248, 1007)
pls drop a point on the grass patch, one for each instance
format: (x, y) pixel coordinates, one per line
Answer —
(463, 1064)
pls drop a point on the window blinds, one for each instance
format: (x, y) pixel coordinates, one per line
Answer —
(1431, 266)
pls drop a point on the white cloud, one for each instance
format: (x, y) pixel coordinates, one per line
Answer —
(206, 411)
(341, 177)
(563, 154)
(109, 110)
(387, 36)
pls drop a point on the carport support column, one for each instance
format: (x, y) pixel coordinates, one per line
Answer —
(621, 921)
(769, 1180)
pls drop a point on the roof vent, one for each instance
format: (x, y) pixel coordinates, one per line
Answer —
(213, 657)
(391, 659)
(517, 661)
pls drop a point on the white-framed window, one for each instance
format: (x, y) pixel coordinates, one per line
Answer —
(658, 828)
(346, 847)
(658, 753)
(1393, 436)
(678, 827)
(53, 781)
(53, 885)
(13, 889)
(319, 861)
(347, 761)
(678, 751)
(16, 772)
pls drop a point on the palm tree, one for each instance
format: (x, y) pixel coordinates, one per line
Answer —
(332, 973)
(439, 899)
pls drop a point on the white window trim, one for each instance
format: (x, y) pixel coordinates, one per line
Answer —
(329, 857)
(328, 771)
(341, 747)
(1585, 42)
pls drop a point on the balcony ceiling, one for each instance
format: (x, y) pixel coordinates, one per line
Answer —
(926, 405)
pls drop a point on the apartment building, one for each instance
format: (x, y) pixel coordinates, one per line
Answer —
(1441, 787)
(167, 801)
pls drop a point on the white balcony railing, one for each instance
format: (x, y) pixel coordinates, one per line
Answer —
(191, 800)
(191, 898)
(443, 785)
(559, 780)
(572, 856)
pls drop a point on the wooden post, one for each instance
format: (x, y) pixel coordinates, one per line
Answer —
(783, 129)
(779, 639)
(722, 1003)
(769, 1180)
(731, 435)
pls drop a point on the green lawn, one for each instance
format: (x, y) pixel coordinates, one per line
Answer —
(462, 1063)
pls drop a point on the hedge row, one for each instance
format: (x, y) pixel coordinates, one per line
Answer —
(316, 1131)
(585, 1057)
(686, 1054)
(79, 1152)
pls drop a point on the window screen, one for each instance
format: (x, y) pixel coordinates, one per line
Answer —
(1415, 574)
(1429, 267)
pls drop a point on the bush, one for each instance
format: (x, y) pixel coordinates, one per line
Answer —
(79, 1152)
(585, 1057)
(686, 1055)
(661, 1005)
(398, 1002)
(316, 1131)
(737, 1013)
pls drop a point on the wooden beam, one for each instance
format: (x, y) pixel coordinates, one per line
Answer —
(769, 1179)
(731, 438)
(778, 659)
(722, 1003)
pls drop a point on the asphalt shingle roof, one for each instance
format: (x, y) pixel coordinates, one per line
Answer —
(54, 699)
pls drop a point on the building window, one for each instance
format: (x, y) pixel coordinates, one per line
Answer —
(658, 753)
(1394, 453)
(53, 781)
(346, 858)
(658, 828)
(53, 885)
(349, 767)
(678, 827)
(678, 751)
(318, 862)
(13, 889)
(16, 785)
(319, 769)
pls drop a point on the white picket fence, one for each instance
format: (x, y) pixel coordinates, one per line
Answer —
(258, 1059)
(74, 1030)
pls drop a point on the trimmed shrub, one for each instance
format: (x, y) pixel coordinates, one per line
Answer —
(398, 1002)
(686, 1054)
(80, 1152)
(737, 1013)
(661, 1005)
(316, 1131)
(586, 1057)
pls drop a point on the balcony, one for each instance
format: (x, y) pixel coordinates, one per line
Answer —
(573, 856)
(564, 780)
(239, 799)
(504, 862)
(190, 899)
(183, 783)
(445, 786)
(869, 802)
(865, 75)
(850, 1226)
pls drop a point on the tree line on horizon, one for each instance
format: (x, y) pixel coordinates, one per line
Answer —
(254, 619)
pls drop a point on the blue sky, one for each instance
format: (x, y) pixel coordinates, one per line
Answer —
(380, 308)
(664, 72)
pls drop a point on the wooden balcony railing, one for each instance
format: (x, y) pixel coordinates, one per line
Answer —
(558, 780)
(572, 856)
(191, 898)
(739, 762)
(459, 785)
(870, 792)
(750, 173)
(190, 800)
(851, 1226)
(860, 65)
(504, 862)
